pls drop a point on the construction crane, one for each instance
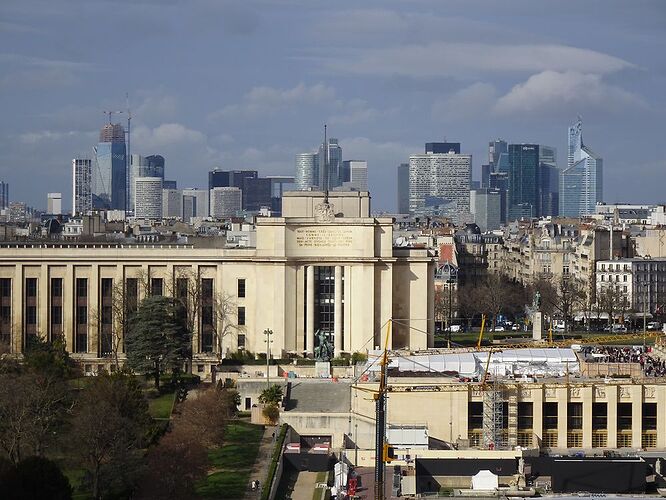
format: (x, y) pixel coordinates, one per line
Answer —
(110, 113)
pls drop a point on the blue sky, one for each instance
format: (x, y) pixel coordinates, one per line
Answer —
(249, 84)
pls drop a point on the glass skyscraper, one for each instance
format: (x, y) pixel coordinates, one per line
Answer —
(581, 183)
(110, 169)
(335, 169)
(533, 180)
(307, 171)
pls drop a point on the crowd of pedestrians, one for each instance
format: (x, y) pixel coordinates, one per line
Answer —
(651, 366)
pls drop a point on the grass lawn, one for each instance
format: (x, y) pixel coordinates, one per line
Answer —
(161, 406)
(75, 476)
(236, 458)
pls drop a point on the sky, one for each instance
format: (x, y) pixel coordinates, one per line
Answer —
(249, 84)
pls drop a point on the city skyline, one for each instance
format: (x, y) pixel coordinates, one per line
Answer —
(475, 76)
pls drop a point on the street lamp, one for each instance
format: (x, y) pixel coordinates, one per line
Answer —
(453, 276)
(268, 333)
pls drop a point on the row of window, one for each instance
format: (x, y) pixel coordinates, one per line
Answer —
(106, 312)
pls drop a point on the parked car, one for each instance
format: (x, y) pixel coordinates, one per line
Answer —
(618, 328)
(515, 327)
(499, 328)
(654, 325)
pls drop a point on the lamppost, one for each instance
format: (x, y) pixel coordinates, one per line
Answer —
(452, 278)
(268, 333)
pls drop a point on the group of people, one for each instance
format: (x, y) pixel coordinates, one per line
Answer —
(651, 366)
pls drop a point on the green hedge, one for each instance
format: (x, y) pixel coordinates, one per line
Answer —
(274, 462)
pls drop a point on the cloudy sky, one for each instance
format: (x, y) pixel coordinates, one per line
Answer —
(248, 84)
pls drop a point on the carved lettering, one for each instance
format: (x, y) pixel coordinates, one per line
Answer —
(324, 237)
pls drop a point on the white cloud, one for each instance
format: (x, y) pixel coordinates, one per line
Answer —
(155, 105)
(554, 90)
(356, 111)
(165, 135)
(264, 100)
(472, 101)
(442, 59)
(33, 138)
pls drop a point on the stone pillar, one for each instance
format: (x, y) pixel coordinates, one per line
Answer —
(537, 415)
(338, 319)
(94, 310)
(636, 392)
(537, 325)
(661, 417)
(43, 302)
(587, 416)
(310, 301)
(17, 310)
(68, 305)
(562, 427)
(611, 399)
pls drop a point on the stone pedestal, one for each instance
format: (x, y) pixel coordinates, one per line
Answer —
(323, 369)
(537, 325)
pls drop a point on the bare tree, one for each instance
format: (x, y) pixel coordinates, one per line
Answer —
(612, 300)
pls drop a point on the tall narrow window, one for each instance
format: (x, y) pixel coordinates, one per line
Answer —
(106, 317)
(30, 319)
(241, 288)
(81, 315)
(207, 326)
(156, 286)
(55, 321)
(241, 316)
(5, 310)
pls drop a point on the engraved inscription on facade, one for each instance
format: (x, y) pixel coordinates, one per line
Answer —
(600, 392)
(624, 392)
(574, 392)
(550, 392)
(323, 237)
(649, 392)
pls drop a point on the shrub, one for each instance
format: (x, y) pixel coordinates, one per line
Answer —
(271, 412)
(359, 357)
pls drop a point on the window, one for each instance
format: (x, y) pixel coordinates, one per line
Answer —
(30, 312)
(201, 368)
(106, 317)
(5, 310)
(575, 416)
(207, 323)
(156, 286)
(599, 416)
(81, 313)
(241, 288)
(524, 415)
(241, 316)
(55, 323)
(241, 341)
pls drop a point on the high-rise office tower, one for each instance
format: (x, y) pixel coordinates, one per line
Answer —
(4, 195)
(403, 188)
(442, 147)
(335, 172)
(148, 197)
(581, 183)
(533, 186)
(148, 166)
(81, 186)
(256, 190)
(225, 201)
(172, 202)
(54, 203)
(199, 201)
(485, 205)
(229, 178)
(110, 169)
(170, 184)
(356, 174)
(307, 171)
(499, 181)
(440, 180)
(495, 149)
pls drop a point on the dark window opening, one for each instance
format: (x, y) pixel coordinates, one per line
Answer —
(599, 416)
(575, 416)
(241, 288)
(156, 286)
(550, 416)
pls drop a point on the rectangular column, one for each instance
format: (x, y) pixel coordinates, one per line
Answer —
(587, 416)
(611, 398)
(94, 311)
(43, 302)
(537, 415)
(562, 424)
(68, 294)
(661, 417)
(349, 305)
(310, 301)
(337, 322)
(17, 310)
(636, 392)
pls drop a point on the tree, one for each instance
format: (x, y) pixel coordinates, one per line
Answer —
(108, 426)
(35, 477)
(496, 294)
(34, 399)
(271, 395)
(612, 300)
(158, 338)
(207, 413)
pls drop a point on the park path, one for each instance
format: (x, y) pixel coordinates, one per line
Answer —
(305, 486)
(263, 461)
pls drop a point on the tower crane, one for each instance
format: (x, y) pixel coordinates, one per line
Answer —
(109, 113)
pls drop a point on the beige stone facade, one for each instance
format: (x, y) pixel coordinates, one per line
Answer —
(551, 414)
(340, 274)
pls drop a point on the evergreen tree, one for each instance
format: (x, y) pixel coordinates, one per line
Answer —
(158, 339)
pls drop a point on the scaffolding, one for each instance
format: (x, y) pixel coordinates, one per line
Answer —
(493, 416)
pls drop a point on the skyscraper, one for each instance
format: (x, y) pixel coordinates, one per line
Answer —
(335, 171)
(442, 147)
(225, 201)
(532, 180)
(148, 166)
(81, 186)
(485, 205)
(581, 183)
(356, 174)
(307, 171)
(441, 181)
(195, 203)
(256, 190)
(172, 202)
(495, 149)
(110, 169)
(403, 188)
(54, 203)
(4, 195)
(148, 197)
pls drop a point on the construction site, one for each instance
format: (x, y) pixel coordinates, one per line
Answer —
(530, 418)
